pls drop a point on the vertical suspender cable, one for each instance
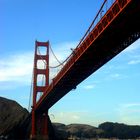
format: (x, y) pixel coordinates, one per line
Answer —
(30, 96)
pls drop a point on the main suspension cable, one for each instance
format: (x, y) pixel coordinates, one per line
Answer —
(55, 55)
(60, 63)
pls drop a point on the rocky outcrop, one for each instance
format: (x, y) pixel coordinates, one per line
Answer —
(14, 120)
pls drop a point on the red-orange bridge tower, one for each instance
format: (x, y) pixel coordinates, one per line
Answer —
(39, 121)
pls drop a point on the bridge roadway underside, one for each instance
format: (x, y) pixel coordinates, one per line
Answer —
(122, 32)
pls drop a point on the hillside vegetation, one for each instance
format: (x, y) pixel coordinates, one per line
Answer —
(105, 130)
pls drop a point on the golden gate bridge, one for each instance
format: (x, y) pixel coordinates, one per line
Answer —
(114, 28)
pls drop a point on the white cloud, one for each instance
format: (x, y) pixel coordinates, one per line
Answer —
(130, 105)
(129, 113)
(18, 67)
(129, 108)
(76, 117)
(66, 117)
(89, 86)
(133, 62)
(116, 75)
(81, 117)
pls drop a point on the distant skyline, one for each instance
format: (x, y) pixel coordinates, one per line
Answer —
(110, 94)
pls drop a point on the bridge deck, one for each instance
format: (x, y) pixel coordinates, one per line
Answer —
(117, 29)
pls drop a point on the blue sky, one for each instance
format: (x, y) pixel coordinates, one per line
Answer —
(110, 94)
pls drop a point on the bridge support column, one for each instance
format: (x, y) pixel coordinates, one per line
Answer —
(40, 120)
(45, 126)
(42, 127)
